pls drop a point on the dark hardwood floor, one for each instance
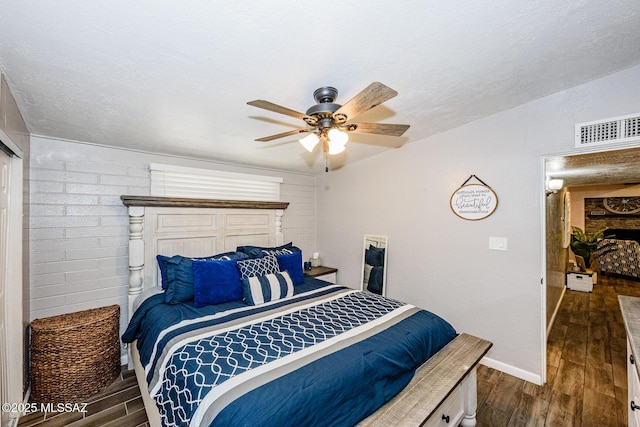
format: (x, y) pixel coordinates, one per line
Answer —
(118, 405)
(586, 376)
(586, 368)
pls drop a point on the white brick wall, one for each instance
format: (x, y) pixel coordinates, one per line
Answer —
(78, 226)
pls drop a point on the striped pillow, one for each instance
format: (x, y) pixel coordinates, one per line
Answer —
(271, 287)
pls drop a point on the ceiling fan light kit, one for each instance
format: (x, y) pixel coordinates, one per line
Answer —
(310, 141)
(337, 137)
(329, 122)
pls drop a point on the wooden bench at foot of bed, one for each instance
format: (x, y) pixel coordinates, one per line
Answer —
(442, 392)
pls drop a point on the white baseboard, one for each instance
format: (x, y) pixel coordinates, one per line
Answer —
(555, 312)
(512, 370)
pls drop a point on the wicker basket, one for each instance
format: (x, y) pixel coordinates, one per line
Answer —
(74, 355)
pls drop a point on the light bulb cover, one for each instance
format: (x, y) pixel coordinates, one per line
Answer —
(555, 184)
(309, 141)
(336, 136)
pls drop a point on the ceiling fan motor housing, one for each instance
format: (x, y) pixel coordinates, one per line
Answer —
(325, 94)
(324, 98)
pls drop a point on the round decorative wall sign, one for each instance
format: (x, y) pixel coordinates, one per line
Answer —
(474, 201)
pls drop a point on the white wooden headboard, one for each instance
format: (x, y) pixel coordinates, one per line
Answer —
(193, 227)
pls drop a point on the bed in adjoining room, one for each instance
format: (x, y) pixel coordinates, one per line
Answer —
(226, 330)
(620, 255)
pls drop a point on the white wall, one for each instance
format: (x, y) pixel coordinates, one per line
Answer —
(79, 227)
(441, 262)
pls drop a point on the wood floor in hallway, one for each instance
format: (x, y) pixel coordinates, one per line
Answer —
(586, 368)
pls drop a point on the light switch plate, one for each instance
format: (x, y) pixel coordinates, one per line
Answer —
(498, 243)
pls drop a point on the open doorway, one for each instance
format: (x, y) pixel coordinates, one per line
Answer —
(587, 179)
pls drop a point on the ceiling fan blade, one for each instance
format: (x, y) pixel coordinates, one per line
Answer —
(283, 134)
(378, 128)
(373, 95)
(261, 103)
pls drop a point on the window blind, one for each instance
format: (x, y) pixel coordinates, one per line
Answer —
(179, 181)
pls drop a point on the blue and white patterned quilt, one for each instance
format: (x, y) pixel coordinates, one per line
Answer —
(329, 355)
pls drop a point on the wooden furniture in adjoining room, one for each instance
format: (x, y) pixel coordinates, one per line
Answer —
(443, 389)
(630, 307)
(321, 272)
(633, 389)
(73, 356)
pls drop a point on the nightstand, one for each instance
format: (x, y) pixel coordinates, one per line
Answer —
(328, 274)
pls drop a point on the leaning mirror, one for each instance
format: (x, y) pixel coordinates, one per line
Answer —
(374, 261)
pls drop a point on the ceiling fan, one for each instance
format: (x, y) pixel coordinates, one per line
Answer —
(329, 122)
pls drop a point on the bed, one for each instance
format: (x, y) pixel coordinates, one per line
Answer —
(620, 257)
(313, 353)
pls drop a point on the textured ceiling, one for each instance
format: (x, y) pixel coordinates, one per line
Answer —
(607, 167)
(174, 77)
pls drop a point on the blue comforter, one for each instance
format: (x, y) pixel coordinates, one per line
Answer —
(329, 355)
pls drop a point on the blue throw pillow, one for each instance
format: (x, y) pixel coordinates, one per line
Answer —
(293, 264)
(216, 281)
(177, 275)
(374, 256)
(271, 287)
(258, 266)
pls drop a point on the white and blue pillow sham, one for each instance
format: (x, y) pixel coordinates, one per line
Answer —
(260, 251)
(258, 266)
(258, 290)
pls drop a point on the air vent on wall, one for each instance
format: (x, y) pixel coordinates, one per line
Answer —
(608, 131)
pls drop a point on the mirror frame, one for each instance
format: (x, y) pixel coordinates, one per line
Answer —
(375, 240)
